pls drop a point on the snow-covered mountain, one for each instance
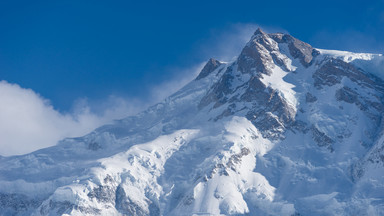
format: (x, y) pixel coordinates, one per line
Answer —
(285, 129)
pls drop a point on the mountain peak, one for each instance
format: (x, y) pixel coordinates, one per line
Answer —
(263, 47)
(210, 66)
(258, 31)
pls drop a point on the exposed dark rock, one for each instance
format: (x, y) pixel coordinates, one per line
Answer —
(17, 203)
(346, 94)
(103, 194)
(299, 126)
(374, 156)
(94, 146)
(126, 206)
(219, 91)
(272, 114)
(269, 113)
(309, 98)
(209, 67)
(258, 31)
(188, 200)
(332, 71)
(236, 158)
(322, 139)
(222, 169)
(255, 57)
(297, 48)
(108, 179)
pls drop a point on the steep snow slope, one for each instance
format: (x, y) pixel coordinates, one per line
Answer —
(285, 129)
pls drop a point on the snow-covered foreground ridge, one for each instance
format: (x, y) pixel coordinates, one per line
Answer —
(285, 129)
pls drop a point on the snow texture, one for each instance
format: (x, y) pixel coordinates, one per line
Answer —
(284, 129)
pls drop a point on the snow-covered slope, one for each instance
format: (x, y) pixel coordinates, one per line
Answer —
(285, 129)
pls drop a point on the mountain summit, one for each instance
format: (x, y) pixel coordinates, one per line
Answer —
(285, 129)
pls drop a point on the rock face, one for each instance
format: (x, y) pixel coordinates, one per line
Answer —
(267, 107)
(211, 66)
(285, 129)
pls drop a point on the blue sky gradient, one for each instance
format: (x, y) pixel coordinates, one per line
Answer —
(66, 50)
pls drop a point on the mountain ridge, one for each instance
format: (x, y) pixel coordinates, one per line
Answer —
(285, 129)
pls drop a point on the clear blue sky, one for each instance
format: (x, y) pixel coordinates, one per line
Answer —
(66, 50)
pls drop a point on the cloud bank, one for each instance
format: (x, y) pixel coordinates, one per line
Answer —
(29, 122)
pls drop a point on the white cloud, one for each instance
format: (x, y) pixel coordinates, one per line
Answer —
(28, 122)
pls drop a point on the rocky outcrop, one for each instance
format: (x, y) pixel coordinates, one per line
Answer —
(270, 113)
(209, 67)
(219, 92)
(309, 98)
(127, 207)
(332, 71)
(255, 56)
(269, 110)
(297, 48)
(322, 139)
(13, 204)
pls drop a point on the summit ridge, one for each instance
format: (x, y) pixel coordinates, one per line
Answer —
(284, 129)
